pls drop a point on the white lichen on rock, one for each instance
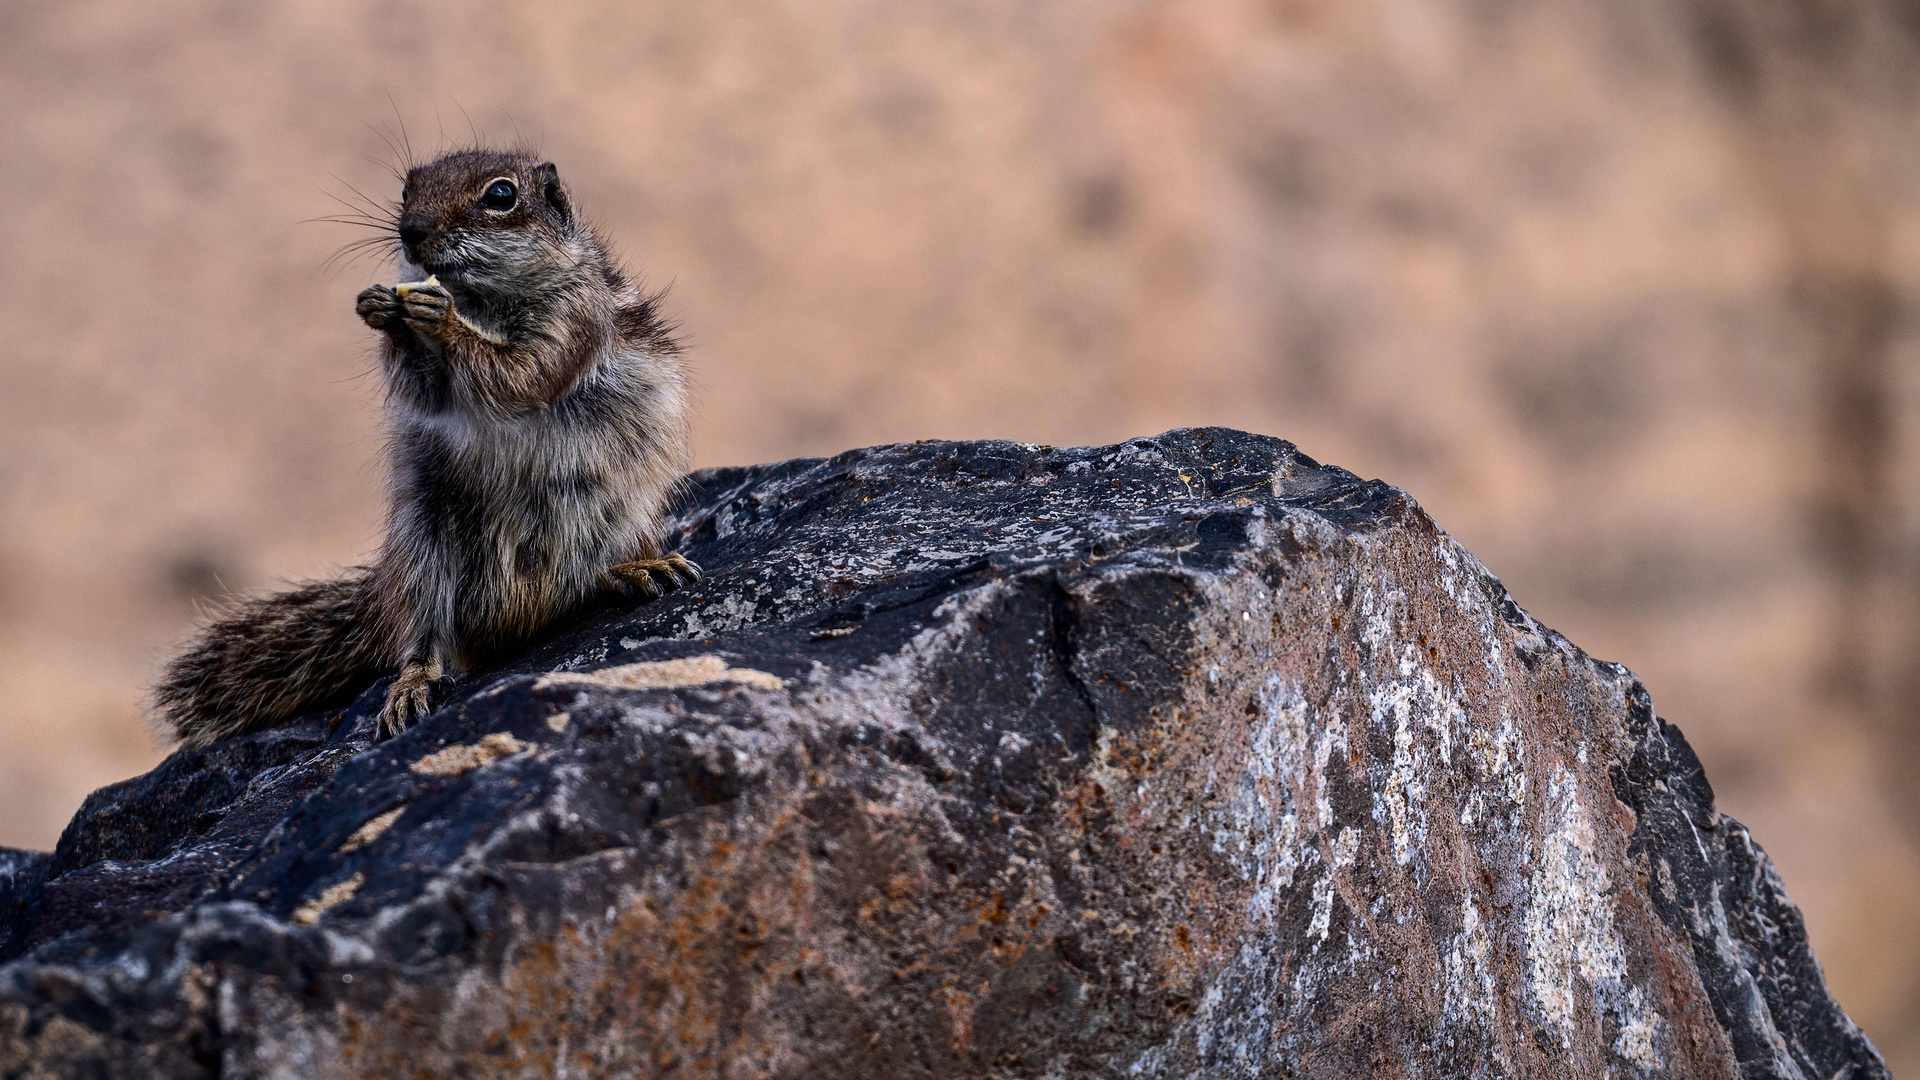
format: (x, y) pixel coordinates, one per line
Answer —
(1571, 935)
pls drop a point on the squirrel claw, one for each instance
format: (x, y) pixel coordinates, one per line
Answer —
(410, 698)
(654, 578)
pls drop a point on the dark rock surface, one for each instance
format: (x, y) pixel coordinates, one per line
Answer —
(1183, 757)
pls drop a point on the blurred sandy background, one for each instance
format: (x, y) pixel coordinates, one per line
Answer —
(1624, 293)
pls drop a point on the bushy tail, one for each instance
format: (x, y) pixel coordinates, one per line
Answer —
(274, 658)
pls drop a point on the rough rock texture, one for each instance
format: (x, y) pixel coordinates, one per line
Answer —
(1183, 757)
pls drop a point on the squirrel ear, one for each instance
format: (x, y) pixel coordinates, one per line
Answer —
(549, 177)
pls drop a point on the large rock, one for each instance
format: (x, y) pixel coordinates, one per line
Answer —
(1183, 757)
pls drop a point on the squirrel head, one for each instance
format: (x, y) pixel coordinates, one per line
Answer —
(489, 221)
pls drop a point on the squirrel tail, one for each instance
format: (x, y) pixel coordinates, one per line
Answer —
(273, 658)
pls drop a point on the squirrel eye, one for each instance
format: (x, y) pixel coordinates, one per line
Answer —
(500, 195)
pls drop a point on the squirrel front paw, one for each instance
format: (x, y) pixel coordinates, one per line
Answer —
(426, 308)
(410, 698)
(379, 307)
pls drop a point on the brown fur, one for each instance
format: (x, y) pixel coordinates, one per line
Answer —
(537, 424)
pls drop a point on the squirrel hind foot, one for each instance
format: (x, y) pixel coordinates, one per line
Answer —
(409, 697)
(655, 578)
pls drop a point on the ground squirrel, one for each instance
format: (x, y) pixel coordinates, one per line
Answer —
(537, 408)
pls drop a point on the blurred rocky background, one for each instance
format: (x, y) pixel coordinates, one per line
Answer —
(1626, 294)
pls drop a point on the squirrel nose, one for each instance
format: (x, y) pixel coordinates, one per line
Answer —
(413, 230)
